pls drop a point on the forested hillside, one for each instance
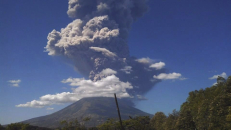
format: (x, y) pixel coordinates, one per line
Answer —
(204, 109)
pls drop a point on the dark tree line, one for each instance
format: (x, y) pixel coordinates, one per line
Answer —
(22, 126)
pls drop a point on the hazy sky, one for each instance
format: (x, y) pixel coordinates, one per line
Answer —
(191, 38)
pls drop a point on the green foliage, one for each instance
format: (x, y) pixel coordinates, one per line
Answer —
(22, 126)
(17, 126)
(170, 122)
(1, 127)
(86, 119)
(221, 80)
(158, 120)
(228, 119)
(228, 82)
(208, 109)
(136, 123)
(93, 128)
(74, 125)
(110, 124)
(185, 120)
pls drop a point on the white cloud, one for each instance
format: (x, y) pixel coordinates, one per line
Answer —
(127, 69)
(104, 51)
(157, 66)
(145, 60)
(105, 87)
(214, 84)
(70, 80)
(107, 72)
(50, 108)
(14, 83)
(34, 103)
(140, 97)
(224, 75)
(165, 76)
(182, 78)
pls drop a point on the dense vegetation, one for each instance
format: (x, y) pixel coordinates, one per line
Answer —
(22, 126)
(208, 109)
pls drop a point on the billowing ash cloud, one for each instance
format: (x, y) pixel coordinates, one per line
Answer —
(97, 40)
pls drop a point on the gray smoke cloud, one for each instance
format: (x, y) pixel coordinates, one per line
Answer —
(97, 40)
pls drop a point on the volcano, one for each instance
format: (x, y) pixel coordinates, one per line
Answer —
(99, 109)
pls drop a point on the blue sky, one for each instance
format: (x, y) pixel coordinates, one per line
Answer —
(191, 37)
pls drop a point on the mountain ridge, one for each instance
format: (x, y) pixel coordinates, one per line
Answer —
(99, 109)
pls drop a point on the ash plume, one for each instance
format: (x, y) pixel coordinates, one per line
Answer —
(96, 41)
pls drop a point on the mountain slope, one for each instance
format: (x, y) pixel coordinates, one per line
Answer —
(99, 109)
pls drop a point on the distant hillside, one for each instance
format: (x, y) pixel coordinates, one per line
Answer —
(99, 109)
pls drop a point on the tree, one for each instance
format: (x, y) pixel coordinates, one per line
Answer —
(228, 82)
(110, 124)
(137, 123)
(17, 126)
(219, 109)
(158, 120)
(1, 127)
(201, 118)
(73, 125)
(228, 119)
(171, 120)
(220, 80)
(85, 120)
(185, 120)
